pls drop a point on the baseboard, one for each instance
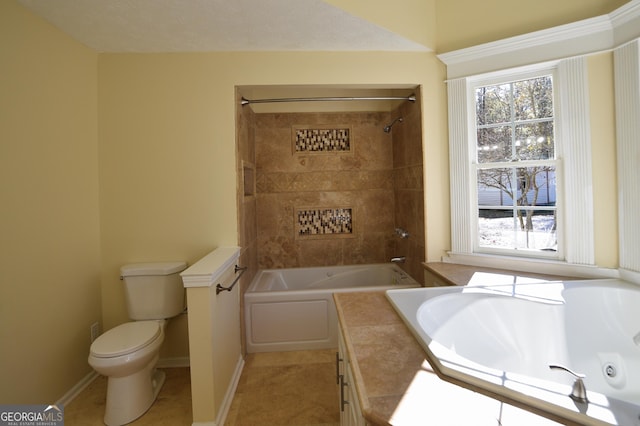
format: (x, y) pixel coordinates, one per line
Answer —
(228, 397)
(77, 388)
(203, 424)
(174, 362)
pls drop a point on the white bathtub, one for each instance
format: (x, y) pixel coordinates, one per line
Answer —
(293, 309)
(504, 338)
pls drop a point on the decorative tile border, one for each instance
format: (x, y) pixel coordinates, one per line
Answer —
(318, 139)
(310, 223)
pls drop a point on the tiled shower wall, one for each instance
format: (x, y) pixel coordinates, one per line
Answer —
(329, 205)
(329, 189)
(245, 172)
(408, 187)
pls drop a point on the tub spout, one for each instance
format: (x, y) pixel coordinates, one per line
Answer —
(578, 392)
(400, 259)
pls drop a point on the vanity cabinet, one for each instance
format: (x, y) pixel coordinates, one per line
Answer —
(350, 412)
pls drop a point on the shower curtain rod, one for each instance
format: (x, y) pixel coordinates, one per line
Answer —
(411, 98)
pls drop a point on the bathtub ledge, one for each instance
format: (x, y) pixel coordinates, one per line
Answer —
(394, 381)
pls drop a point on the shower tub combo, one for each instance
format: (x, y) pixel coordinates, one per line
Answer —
(567, 350)
(293, 309)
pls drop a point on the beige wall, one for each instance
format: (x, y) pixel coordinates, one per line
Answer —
(465, 23)
(49, 216)
(603, 158)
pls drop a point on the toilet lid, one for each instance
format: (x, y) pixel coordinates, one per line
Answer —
(125, 338)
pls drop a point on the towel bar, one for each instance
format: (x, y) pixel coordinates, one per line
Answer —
(220, 287)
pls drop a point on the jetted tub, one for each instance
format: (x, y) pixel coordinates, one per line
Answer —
(503, 339)
(293, 309)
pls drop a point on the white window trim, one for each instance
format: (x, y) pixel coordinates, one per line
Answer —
(573, 147)
(627, 96)
(583, 37)
(574, 131)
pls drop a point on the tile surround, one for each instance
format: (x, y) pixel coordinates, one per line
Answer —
(380, 178)
(307, 203)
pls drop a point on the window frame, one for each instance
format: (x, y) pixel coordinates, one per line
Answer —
(573, 153)
(503, 78)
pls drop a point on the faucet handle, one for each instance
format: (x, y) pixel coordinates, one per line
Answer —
(562, 367)
(578, 392)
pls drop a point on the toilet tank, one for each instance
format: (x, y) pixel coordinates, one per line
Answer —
(153, 290)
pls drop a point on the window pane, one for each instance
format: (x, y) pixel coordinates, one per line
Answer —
(496, 228)
(534, 141)
(536, 230)
(536, 186)
(494, 144)
(493, 104)
(533, 98)
(528, 230)
(516, 204)
(495, 187)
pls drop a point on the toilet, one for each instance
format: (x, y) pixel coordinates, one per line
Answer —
(127, 354)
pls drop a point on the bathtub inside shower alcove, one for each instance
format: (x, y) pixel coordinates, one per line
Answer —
(293, 309)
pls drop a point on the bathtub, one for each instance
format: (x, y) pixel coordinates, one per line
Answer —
(293, 309)
(503, 340)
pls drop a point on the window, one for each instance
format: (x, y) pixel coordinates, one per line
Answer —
(514, 168)
(520, 166)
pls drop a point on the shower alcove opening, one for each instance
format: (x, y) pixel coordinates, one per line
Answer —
(326, 182)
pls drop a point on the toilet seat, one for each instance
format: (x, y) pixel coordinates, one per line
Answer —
(125, 338)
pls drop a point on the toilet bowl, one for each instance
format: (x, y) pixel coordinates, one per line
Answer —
(127, 355)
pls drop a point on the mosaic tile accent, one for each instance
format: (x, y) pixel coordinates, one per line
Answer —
(324, 222)
(322, 140)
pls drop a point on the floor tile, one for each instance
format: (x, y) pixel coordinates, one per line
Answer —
(275, 389)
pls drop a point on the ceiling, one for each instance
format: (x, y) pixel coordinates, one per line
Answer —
(216, 25)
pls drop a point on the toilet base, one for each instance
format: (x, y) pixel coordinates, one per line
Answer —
(131, 396)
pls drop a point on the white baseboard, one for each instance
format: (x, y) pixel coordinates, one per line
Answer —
(228, 397)
(174, 362)
(77, 388)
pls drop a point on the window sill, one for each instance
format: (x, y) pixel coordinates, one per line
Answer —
(544, 266)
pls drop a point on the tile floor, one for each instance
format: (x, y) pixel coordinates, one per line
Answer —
(275, 389)
(172, 407)
(287, 388)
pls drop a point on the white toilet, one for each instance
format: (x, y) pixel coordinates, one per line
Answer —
(127, 354)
